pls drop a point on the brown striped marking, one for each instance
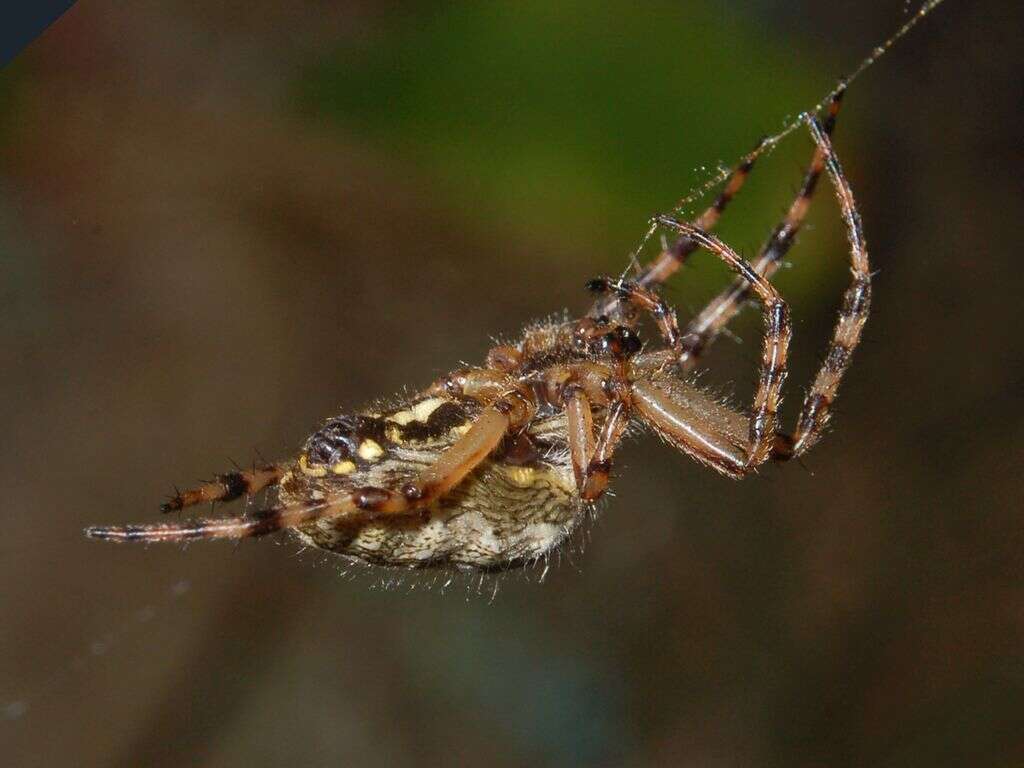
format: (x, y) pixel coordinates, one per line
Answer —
(226, 487)
(852, 316)
(777, 336)
(258, 523)
(705, 327)
(668, 262)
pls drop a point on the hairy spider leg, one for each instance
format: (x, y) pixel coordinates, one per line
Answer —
(776, 342)
(579, 418)
(703, 329)
(850, 322)
(716, 443)
(694, 422)
(227, 487)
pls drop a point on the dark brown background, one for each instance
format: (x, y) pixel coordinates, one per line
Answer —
(219, 226)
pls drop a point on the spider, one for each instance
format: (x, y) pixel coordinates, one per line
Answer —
(494, 466)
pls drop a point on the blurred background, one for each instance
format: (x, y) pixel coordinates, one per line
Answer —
(222, 223)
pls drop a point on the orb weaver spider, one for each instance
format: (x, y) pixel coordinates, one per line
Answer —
(494, 466)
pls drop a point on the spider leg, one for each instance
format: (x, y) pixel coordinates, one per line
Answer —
(259, 523)
(580, 427)
(850, 323)
(695, 423)
(716, 443)
(776, 342)
(668, 262)
(702, 330)
(227, 487)
(600, 466)
(591, 458)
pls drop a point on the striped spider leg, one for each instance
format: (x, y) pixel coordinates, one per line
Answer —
(703, 329)
(672, 258)
(227, 487)
(852, 315)
(687, 429)
(706, 430)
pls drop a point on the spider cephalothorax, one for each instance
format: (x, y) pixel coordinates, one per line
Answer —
(494, 466)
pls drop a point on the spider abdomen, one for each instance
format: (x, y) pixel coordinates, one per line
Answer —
(502, 516)
(514, 508)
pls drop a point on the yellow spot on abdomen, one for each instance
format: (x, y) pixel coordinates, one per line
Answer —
(370, 450)
(343, 468)
(536, 477)
(419, 412)
(308, 470)
(523, 477)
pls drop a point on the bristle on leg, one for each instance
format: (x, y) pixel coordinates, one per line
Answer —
(226, 487)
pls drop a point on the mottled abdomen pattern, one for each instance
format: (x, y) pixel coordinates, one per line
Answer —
(515, 507)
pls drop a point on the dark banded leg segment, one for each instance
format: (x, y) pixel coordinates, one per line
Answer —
(852, 315)
(258, 523)
(776, 341)
(227, 487)
(668, 262)
(702, 331)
